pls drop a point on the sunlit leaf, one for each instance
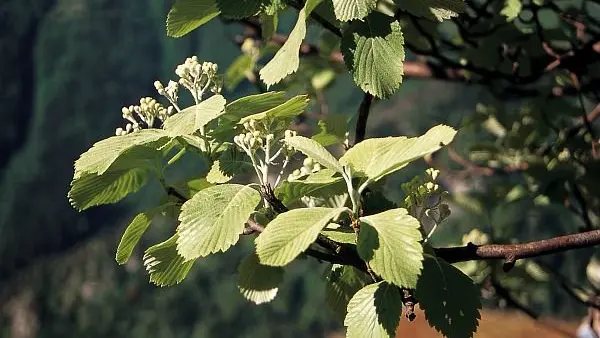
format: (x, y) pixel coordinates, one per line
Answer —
(315, 151)
(165, 265)
(258, 283)
(374, 312)
(187, 15)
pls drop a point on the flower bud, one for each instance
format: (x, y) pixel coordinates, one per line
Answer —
(246, 125)
(119, 131)
(308, 162)
(316, 167)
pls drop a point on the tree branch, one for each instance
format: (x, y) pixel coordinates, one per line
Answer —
(512, 252)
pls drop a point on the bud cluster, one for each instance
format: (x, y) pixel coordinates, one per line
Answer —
(419, 193)
(308, 166)
(199, 77)
(171, 91)
(146, 112)
(253, 137)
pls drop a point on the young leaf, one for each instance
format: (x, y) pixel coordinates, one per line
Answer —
(103, 154)
(91, 190)
(340, 234)
(214, 218)
(346, 10)
(253, 104)
(374, 312)
(165, 265)
(374, 54)
(187, 15)
(291, 108)
(390, 243)
(134, 232)
(333, 130)
(449, 298)
(343, 281)
(322, 182)
(258, 283)
(512, 9)
(290, 233)
(377, 157)
(287, 58)
(191, 119)
(439, 10)
(315, 151)
(230, 163)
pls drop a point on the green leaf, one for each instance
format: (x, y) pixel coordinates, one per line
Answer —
(237, 9)
(390, 243)
(290, 233)
(103, 154)
(439, 10)
(253, 104)
(165, 265)
(346, 10)
(374, 312)
(237, 71)
(333, 130)
(231, 162)
(214, 218)
(290, 108)
(191, 119)
(322, 182)
(377, 157)
(134, 232)
(91, 190)
(340, 234)
(191, 187)
(187, 15)
(258, 283)
(343, 281)
(449, 298)
(374, 54)
(268, 25)
(315, 151)
(512, 9)
(287, 58)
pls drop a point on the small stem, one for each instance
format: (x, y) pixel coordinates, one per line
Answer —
(285, 163)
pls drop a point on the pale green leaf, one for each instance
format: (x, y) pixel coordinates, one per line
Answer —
(258, 283)
(390, 243)
(439, 10)
(91, 189)
(191, 187)
(135, 230)
(287, 58)
(377, 157)
(315, 151)
(346, 10)
(165, 265)
(290, 108)
(340, 234)
(187, 15)
(237, 71)
(374, 312)
(230, 163)
(214, 218)
(253, 104)
(191, 119)
(333, 130)
(343, 281)
(512, 9)
(101, 156)
(319, 183)
(449, 298)
(237, 9)
(374, 54)
(291, 232)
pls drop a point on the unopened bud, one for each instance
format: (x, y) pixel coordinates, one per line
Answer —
(308, 162)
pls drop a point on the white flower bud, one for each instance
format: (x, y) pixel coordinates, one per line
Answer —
(119, 131)
(296, 172)
(316, 167)
(252, 124)
(125, 111)
(170, 110)
(303, 171)
(246, 125)
(308, 162)
(158, 86)
(128, 127)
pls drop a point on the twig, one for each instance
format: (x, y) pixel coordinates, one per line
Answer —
(363, 115)
(512, 252)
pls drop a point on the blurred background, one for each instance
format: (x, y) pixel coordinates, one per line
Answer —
(68, 66)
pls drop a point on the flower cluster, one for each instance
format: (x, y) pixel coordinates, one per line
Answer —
(425, 199)
(199, 78)
(308, 166)
(146, 112)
